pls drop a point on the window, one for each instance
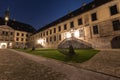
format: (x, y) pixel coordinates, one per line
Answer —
(59, 28)
(50, 39)
(113, 10)
(18, 34)
(43, 33)
(95, 29)
(80, 21)
(47, 33)
(22, 39)
(71, 24)
(50, 31)
(22, 34)
(6, 33)
(11, 33)
(54, 38)
(47, 40)
(54, 30)
(94, 17)
(59, 37)
(65, 27)
(26, 35)
(3, 32)
(116, 25)
(17, 39)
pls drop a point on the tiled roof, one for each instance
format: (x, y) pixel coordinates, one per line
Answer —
(83, 9)
(18, 25)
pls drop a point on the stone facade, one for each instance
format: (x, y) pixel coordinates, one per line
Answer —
(98, 27)
(10, 38)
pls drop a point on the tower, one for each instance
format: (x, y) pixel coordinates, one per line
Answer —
(7, 16)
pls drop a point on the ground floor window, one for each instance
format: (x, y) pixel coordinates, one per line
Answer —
(116, 25)
(95, 29)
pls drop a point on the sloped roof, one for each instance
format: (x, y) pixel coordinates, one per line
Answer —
(18, 25)
(83, 9)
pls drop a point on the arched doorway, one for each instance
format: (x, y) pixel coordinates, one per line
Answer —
(115, 43)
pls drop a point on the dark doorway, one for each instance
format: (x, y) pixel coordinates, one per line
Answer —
(115, 43)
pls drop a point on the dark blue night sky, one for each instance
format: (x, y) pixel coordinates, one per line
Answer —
(39, 12)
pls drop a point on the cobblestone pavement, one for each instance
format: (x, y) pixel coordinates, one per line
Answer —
(106, 61)
(16, 65)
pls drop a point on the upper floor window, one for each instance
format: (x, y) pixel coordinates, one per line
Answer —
(65, 26)
(50, 39)
(54, 30)
(59, 28)
(60, 37)
(18, 34)
(17, 39)
(22, 34)
(50, 31)
(71, 24)
(11, 33)
(54, 38)
(116, 25)
(26, 35)
(6, 33)
(94, 16)
(95, 29)
(43, 33)
(80, 21)
(47, 33)
(113, 10)
(22, 39)
(3, 32)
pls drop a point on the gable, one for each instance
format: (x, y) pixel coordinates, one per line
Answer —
(5, 27)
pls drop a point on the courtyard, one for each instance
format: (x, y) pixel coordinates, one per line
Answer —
(15, 65)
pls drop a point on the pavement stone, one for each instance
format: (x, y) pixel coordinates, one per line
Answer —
(15, 65)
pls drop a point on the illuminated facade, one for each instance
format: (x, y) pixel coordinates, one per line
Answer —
(96, 25)
(6, 37)
(14, 34)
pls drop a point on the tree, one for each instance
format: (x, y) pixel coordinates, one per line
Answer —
(71, 52)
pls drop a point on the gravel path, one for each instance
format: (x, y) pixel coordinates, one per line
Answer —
(16, 65)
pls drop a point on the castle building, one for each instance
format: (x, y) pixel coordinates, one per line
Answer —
(93, 25)
(14, 34)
